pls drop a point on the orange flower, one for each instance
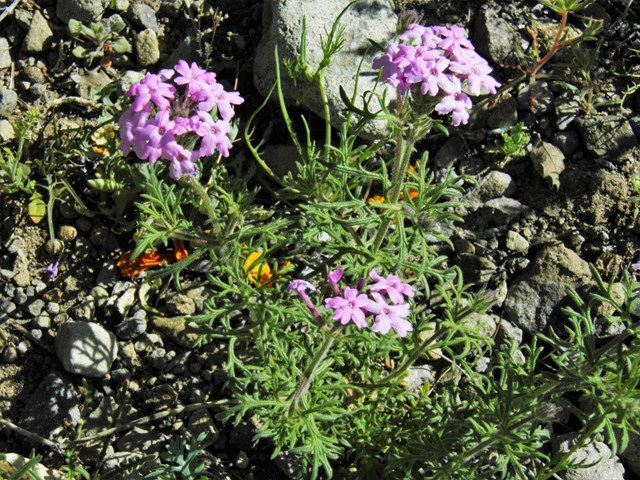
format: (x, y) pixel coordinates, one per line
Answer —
(265, 274)
(412, 193)
(146, 261)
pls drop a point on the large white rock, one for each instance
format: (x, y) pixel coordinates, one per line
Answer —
(86, 349)
(282, 21)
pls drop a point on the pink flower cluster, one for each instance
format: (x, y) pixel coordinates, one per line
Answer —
(436, 61)
(351, 305)
(183, 128)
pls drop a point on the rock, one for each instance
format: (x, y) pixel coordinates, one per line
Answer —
(143, 439)
(10, 354)
(171, 7)
(39, 37)
(32, 74)
(126, 300)
(129, 79)
(5, 55)
(500, 210)
(18, 461)
(180, 304)
(35, 308)
(417, 377)
(493, 37)
(242, 460)
(86, 348)
(282, 159)
(536, 296)
(53, 248)
(504, 114)
(99, 235)
(282, 27)
(451, 152)
(67, 233)
(100, 295)
(187, 50)
(495, 185)
(475, 269)
(144, 16)
(8, 102)
(109, 274)
(7, 134)
(536, 98)
(595, 453)
(50, 408)
(201, 421)
(86, 310)
(516, 242)
(42, 321)
(568, 142)
(82, 10)
(147, 49)
(609, 136)
(133, 326)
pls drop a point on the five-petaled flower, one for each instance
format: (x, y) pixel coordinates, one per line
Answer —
(392, 286)
(389, 316)
(350, 307)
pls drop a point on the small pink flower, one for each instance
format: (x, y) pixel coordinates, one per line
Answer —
(350, 307)
(393, 286)
(390, 316)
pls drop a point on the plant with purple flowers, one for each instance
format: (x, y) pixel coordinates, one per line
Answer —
(183, 128)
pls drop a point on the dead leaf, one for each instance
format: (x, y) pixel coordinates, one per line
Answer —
(91, 79)
(548, 161)
(37, 208)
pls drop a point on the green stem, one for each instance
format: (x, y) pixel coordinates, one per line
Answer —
(50, 203)
(329, 338)
(400, 166)
(207, 205)
(327, 115)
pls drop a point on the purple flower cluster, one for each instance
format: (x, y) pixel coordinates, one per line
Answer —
(183, 128)
(436, 61)
(351, 305)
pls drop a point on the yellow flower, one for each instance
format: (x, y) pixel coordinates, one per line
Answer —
(265, 273)
(377, 199)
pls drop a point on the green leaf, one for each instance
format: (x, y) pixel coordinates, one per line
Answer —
(79, 52)
(122, 46)
(75, 27)
(117, 27)
(37, 208)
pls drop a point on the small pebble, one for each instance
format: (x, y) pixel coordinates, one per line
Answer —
(6, 306)
(67, 233)
(41, 321)
(53, 308)
(40, 287)
(242, 460)
(30, 291)
(10, 355)
(23, 347)
(35, 308)
(20, 299)
(49, 248)
(37, 334)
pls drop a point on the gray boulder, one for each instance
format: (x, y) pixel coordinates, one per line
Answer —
(86, 348)
(283, 27)
(537, 295)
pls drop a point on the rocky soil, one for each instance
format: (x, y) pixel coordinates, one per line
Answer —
(531, 226)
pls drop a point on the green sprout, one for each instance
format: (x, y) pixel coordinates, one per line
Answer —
(103, 41)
